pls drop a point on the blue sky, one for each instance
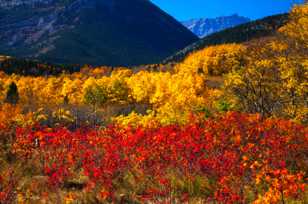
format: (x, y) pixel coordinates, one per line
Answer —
(254, 9)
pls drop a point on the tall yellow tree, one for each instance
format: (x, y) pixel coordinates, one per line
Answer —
(274, 80)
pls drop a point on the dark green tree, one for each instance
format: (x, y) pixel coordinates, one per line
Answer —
(12, 95)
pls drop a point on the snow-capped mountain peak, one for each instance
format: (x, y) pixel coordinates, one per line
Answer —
(206, 26)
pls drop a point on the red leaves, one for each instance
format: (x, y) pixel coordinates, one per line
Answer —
(8, 185)
(231, 151)
(226, 195)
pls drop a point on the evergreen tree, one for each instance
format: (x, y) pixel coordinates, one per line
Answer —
(12, 95)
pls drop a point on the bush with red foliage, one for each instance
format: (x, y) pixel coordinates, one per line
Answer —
(235, 158)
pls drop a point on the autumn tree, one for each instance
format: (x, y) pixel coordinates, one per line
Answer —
(214, 60)
(273, 80)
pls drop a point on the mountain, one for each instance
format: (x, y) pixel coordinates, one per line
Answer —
(96, 32)
(205, 26)
(243, 33)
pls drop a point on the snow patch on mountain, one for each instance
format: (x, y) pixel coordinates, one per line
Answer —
(205, 26)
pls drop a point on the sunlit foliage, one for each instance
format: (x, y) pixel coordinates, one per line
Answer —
(215, 60)
(274, 80)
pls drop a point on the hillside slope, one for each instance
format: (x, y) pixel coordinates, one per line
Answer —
(109, 32)
(242, 33)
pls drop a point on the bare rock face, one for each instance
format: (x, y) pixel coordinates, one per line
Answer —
(109, 32)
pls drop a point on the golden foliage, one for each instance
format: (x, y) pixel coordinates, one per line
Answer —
(274, 80)
(215, 60)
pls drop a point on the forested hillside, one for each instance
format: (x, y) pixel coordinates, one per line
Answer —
(96, 32)
(239, 34)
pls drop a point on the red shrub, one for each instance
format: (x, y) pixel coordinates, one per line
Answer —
(235, 154)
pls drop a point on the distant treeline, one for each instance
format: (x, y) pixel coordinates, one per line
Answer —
(34, 68)
(27, 67)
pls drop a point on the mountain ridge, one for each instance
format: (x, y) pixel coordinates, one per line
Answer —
(203, 27)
